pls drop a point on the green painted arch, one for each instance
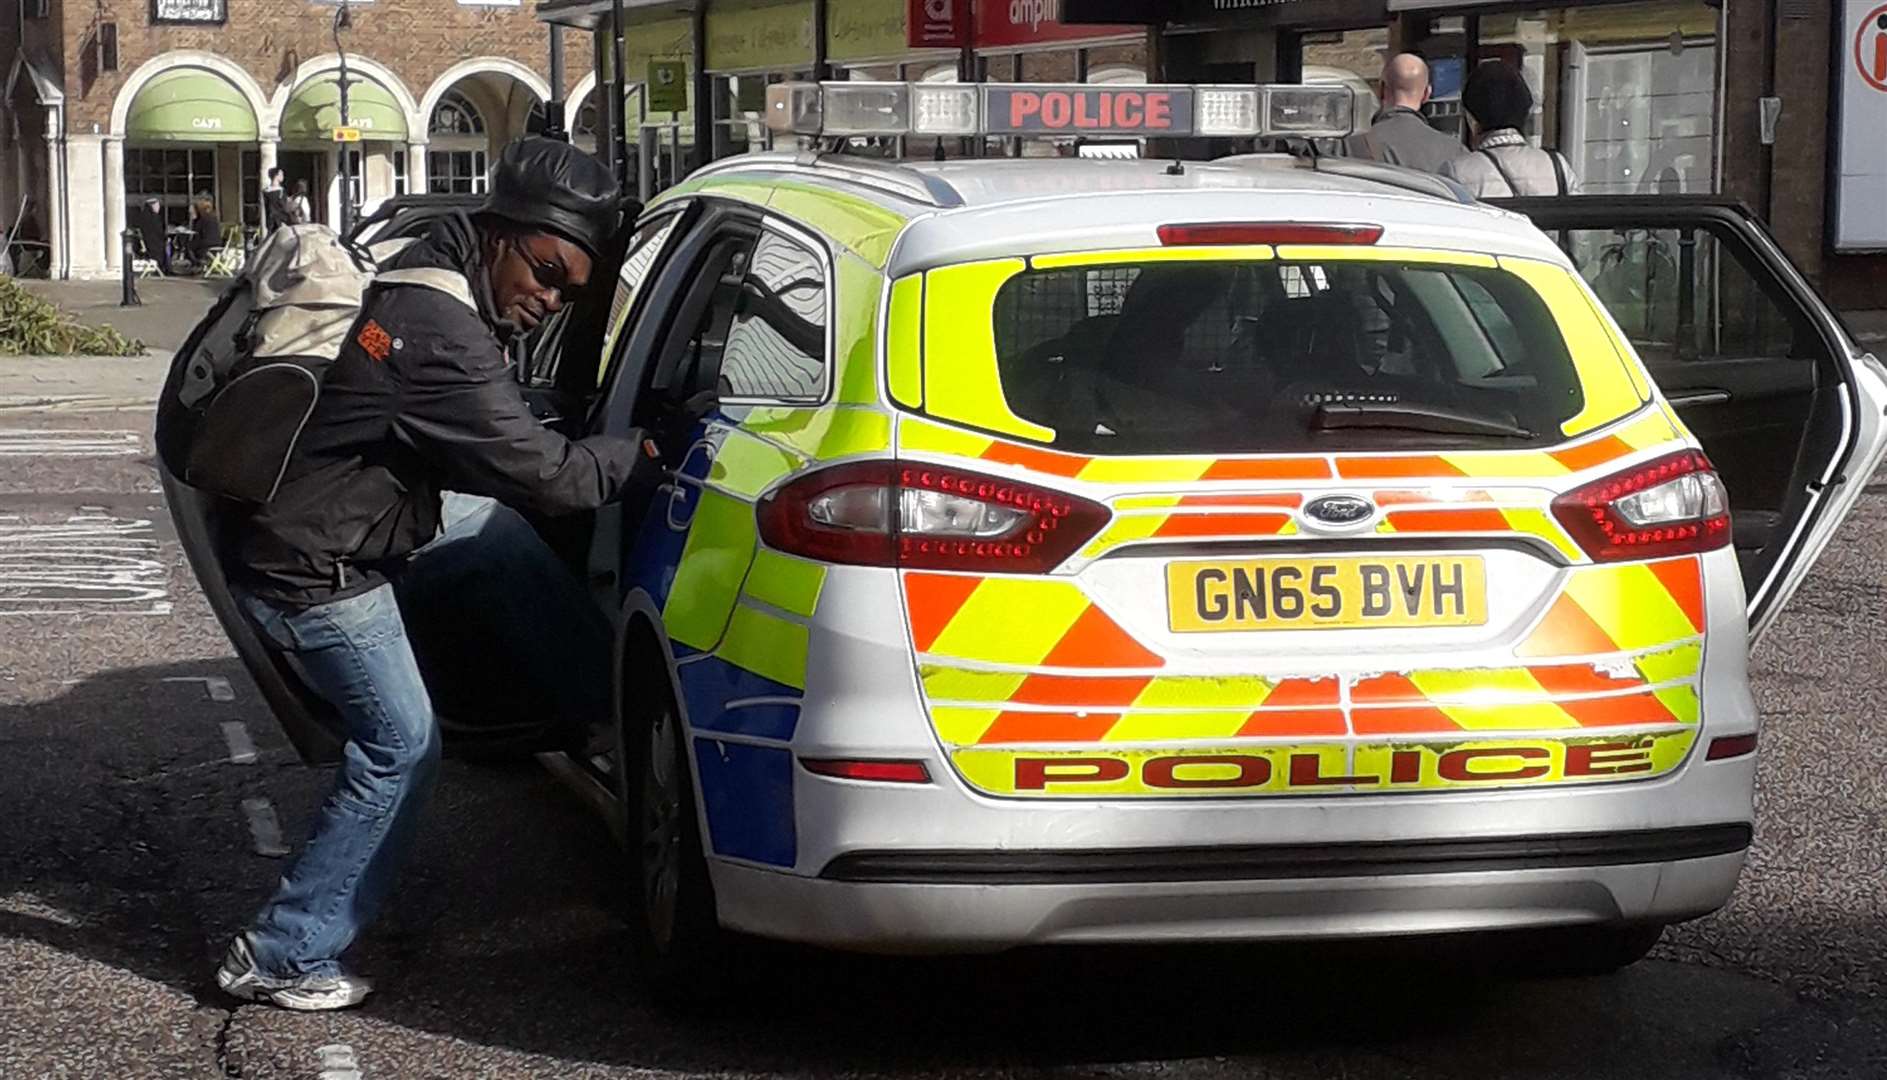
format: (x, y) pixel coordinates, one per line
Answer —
(314, 111)
(190, 105)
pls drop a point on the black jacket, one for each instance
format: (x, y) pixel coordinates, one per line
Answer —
(419, 399)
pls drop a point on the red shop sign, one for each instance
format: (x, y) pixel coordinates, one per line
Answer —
(1006, 23)
(937, 24)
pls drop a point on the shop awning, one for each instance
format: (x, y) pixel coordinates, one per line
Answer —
(190, 105)
(315, 110)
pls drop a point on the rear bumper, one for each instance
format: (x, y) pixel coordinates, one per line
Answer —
(985, 902)
(1284, 862)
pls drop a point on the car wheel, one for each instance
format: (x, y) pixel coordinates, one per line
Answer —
(675, 936)
(1577, 951)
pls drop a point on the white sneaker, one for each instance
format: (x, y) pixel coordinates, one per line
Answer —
(239, 978)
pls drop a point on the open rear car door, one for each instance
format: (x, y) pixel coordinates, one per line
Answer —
(1786, 404)
(475, 720)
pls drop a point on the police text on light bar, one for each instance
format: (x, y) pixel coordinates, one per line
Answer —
(891, 108)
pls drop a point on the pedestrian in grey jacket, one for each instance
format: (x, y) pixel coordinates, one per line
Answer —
(1498, 103)
(1399, 135)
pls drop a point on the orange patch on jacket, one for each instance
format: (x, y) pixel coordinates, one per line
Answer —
(375, 340)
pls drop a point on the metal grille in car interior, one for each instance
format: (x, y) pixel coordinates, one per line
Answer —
(1040, 308)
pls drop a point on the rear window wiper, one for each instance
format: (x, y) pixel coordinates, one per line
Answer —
(1409, 416)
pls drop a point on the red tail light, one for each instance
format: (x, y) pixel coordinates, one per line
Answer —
(883, 513)
(1672, 506)
(1730, 746)
(1266, 232)
(884, 772)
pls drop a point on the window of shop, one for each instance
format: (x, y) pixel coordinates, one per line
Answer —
(251, 187)
(457, 163)
(399, 172)
(173, 176)
(356, 179)
(1626, 91)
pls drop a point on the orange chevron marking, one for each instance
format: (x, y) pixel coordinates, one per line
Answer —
(1293, 722)
(1561, 679)
(1282, 468)
(934, 599)
(1223, 524)
(1684, 580)
(1402, 720)
(1449, 521)
(1098, 641)
(1044, 461)
(1078, 690)
(1287, 500)
(1367, 468)
(1049, 727)
(1618, 711)
(1566, 631)
(1597, 452)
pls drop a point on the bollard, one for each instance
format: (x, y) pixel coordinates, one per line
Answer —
(130, 254)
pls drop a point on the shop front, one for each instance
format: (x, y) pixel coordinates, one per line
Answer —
(879, 41)
(749, 45)
(190, 136)
(378, 163)
(1627, 91)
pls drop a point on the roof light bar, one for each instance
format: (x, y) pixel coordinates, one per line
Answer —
(884, 108)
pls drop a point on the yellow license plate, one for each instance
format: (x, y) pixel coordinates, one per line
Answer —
(1308, 594)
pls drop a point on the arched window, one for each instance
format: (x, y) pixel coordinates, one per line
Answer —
(456, 116)
(457, 159)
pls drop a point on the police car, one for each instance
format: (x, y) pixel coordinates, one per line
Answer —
(1140, 551)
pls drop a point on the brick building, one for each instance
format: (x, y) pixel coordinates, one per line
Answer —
(114, 101)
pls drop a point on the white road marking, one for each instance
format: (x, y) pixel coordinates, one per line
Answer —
(337, 1063)
(215, 686)
(242, 749)
(264, 827)
(86, 563)
(47, 442)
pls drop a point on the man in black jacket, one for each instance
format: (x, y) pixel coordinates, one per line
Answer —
(395, 509)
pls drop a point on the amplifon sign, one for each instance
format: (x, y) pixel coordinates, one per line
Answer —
(1011, 23)
(937, 24)
(1859, 220)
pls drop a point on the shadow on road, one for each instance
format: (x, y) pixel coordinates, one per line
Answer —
(122, 843)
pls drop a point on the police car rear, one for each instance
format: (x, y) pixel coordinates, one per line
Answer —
(1262, 554)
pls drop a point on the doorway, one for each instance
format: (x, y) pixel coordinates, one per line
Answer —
(309, 167)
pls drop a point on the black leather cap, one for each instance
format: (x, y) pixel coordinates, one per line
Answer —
(545, 184)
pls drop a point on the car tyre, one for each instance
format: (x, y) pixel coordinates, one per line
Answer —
(1584, 951)
(676, 939)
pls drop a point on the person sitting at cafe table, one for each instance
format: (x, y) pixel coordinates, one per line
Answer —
(207, 230)
(148, 222)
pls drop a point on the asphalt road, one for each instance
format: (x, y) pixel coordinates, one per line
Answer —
(139, 772)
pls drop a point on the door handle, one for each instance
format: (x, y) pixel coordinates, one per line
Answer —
(1699, 396)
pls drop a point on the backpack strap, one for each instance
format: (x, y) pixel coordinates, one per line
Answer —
(1559, 170)
(450, 282)
(1505, 176)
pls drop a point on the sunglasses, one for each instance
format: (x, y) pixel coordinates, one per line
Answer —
(550, 275)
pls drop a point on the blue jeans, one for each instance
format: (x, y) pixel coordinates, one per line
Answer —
(502, 616)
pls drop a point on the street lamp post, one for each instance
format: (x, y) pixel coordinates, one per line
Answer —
(342, 21)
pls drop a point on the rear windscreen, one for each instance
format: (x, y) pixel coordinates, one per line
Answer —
(1281, 355)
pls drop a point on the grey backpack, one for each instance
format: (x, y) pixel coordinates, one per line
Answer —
(247, 378)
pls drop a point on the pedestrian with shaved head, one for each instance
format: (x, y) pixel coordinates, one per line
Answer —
(1399, 135)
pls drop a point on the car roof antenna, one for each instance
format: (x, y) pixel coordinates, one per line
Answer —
(1177, 168)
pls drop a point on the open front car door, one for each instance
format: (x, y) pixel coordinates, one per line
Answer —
(1786, 404)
